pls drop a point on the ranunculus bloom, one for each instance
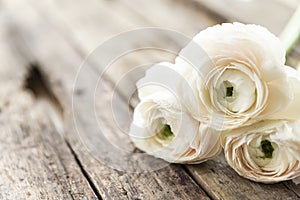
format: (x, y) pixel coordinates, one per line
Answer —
(267, 151)
(161, 126)
(246, 80)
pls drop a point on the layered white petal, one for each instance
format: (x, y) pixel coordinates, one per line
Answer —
(246, 80)
(191, 143)
(267, 151)
(189, 140)
(288, 106)
(253, 40)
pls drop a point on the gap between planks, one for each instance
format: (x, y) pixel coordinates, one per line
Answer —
(84, 172)
(37, 82)
(175, 173)
(28, 151)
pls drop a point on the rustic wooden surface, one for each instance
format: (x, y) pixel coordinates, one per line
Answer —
(42, 156)
(35, 161)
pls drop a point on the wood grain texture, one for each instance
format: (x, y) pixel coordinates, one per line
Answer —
(59, 34)
(215, 187)
(61, 65)
(272, 14)
(35, 161)
(221, 182)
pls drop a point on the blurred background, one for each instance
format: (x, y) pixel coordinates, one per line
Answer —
(86, 24)
(45, 31)
(43, 43)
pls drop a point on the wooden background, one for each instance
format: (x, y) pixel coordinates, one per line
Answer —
(43, 43)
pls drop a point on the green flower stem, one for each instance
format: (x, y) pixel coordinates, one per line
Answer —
(291, 32)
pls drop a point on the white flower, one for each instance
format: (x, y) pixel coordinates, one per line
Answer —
(266, 152)
(245, 79)
(161, 127)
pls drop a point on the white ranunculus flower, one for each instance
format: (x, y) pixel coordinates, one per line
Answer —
(244, 81)
(161, 127)
(267, 151)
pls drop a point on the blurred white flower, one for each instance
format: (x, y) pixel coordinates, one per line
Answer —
(246, 80)
(266, 152)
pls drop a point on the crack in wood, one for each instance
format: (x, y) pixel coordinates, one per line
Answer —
(85, 173)
(38, 84)
(291, 189)
(191, 175)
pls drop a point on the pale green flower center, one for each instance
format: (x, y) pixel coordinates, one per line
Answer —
(166, 133)
(267, 148)
(229, 89)
(234, 91)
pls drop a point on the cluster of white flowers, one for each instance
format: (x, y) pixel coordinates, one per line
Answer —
(229, 87)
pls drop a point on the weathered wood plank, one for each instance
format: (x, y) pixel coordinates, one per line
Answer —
(272, 14)
(244, 187)
(221, 182)
(170, 14)
(35, 161)
(87, 36)
(61, 65)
